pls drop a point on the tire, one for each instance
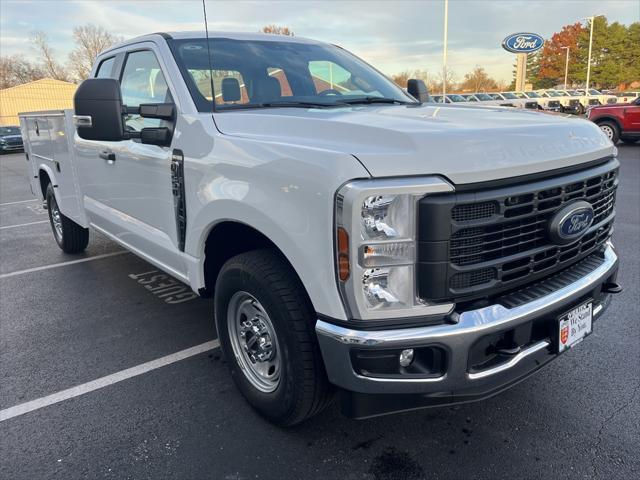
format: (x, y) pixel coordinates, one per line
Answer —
(285, 382)
(611, 130)
(70, 237)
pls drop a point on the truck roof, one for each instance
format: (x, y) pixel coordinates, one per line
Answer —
(267, 37)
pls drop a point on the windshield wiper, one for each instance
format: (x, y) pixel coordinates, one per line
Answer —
(369, 100)
(302, 104)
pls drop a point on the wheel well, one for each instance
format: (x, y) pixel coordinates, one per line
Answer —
(599, 120)
(226, 240)
(44, 181)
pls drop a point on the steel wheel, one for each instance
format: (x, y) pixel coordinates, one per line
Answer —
(254, 341)
(608, 131)
(56, 219)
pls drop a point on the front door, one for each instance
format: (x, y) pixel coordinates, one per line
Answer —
(127, 185)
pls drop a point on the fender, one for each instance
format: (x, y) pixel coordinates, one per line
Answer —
(316, 272)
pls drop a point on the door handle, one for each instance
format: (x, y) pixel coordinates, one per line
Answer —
(109, 156)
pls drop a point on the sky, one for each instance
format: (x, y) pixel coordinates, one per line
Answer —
(392, 35)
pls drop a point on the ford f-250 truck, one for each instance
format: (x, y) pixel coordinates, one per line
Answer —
(355, 240)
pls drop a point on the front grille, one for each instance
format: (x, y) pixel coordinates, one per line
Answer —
(531, 105)
(574, 102)
(611, 100)
(497, 239)
(553, 103)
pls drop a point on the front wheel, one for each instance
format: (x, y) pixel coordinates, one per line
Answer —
(266, 327)
(611, 130)
(70, 237)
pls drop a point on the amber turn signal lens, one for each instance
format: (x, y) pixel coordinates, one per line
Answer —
(343, 255)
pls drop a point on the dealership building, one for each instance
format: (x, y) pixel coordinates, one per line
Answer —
(44, 94)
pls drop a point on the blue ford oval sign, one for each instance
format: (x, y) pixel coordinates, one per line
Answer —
(571, 222)
(523, 42)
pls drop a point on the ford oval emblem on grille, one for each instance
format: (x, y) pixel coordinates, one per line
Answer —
(571, 222)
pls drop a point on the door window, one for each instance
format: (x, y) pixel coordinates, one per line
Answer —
(143, 82)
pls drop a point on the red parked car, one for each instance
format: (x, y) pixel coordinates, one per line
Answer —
(620, 121)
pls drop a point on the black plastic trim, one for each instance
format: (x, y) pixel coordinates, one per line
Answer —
(392, 323)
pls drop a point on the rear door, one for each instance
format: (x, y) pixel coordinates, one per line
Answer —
(127, 185)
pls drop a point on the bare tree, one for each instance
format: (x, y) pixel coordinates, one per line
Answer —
(401, 78)
(277, 30)
(15, 70)
(435, 83)
(90, 41)
(50, 65)
(478, 80)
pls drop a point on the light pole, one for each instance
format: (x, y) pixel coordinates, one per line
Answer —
(566, 67)
(591, 19)
(444, 55)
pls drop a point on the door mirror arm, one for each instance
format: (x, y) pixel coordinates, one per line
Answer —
(161, 111)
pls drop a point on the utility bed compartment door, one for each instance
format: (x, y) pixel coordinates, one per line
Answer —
(50, 138)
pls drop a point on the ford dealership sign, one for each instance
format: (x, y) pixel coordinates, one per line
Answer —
(523, 42)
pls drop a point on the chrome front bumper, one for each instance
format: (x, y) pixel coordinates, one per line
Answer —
(456, 338)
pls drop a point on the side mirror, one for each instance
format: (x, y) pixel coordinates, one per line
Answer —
(418, 90)
(98, 110)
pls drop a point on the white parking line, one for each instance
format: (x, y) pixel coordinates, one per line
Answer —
(78, 390)
(23, 224)
(21, 201)
(62, 264)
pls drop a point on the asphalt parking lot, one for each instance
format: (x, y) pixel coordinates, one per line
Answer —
(71, 324)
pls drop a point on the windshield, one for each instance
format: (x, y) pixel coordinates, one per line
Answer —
(573, 93)
(593, 91)
(9, 131)
(532, 95)
(483, 97)
(520, 95)
(266, 73)
(509, 95)
(470, 98)
(456, 98)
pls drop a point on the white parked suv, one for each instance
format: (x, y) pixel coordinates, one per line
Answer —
(517, 101)
(355, 241)
(627, 97)
(545, 102)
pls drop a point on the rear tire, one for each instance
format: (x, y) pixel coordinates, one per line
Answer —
(70, 237)
(611, 130)
(266, 327)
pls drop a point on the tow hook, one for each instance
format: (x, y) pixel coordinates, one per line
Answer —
(611, 287)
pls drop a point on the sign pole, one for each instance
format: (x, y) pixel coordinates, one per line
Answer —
(521, 71)
(444, 55)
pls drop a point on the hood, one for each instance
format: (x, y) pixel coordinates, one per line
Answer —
(466, 144)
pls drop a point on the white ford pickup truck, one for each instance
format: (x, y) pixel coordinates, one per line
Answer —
(357, 241)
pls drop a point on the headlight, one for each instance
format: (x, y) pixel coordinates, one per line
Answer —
(376, 249)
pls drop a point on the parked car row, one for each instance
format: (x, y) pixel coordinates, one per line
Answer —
(566, 101)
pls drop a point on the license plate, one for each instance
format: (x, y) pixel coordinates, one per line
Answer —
(574, 325)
